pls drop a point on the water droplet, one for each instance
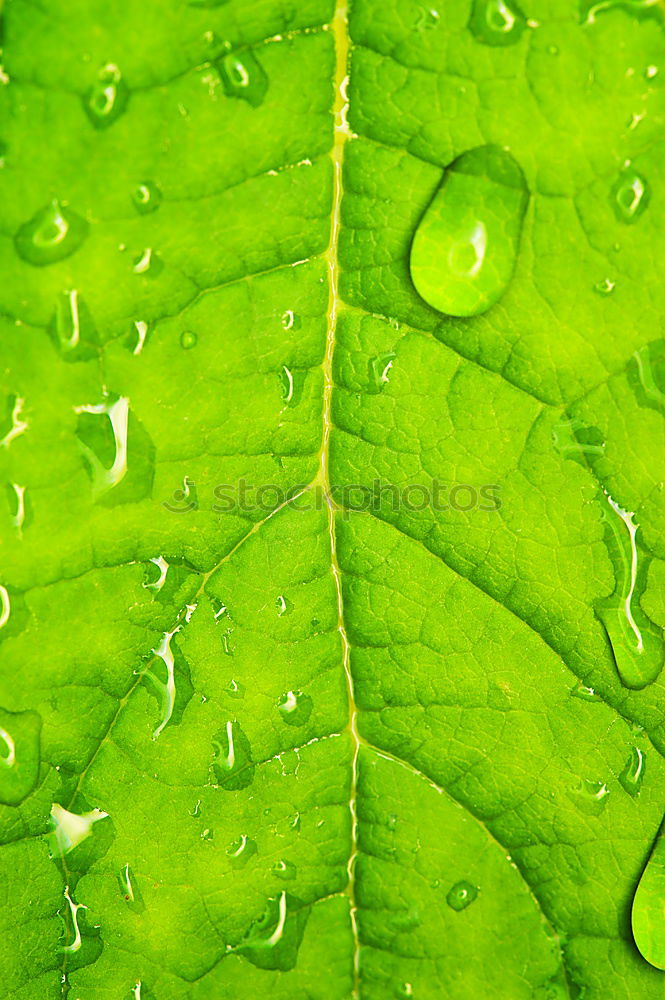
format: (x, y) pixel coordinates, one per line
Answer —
(285, 870)
(633, 773)
(496, 22)
(651, 72)
(207, 834)
(290, 320)
(241, 850)
(107, 98)
(243, 76)
(605, 287)
(648, 907)
(649, 369)
(233, 764)
(465, 247)
(71, 829)
(146, 197)
(295, 708)
(130, 890)
(427, 19)
(273, 941)
(584, 693)
(292, 384)
(52, 234)
(284, 605)
(235, 689)
(72, 328)
(403, 991)
(461, 895)
(188, 339)
(379, 371)
(590, 796)
(574, 439)
(637, 643)
(148, 263)
(630, 195)
(20, 734)
(170, 677)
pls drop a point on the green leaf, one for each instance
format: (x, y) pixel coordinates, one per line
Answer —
(331, 623)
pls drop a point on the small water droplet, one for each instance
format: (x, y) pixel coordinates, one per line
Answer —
(148, 263)
(52, 234)
(584, 693)
(146, 197)
(630, 195)
(233, 764)
(651, 72)
(295, 708)
(291, 320)
(590, 796)
(605, 287)
(207, 834)
(292, 384)
(241, 850)
(285, 870)
(633, 773)
(379, 368)
(497, 22)
(427, 19)
(188, 339)
(403, 991)
(130, 890)
(107, 98)
(235, 689)
(243, 76)
(465, 247)
(648, 905)
(284, 605)
(461, 895)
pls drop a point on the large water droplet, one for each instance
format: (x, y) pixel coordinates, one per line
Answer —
(272, 942)
(497, 22)
(107, 98)
(243, 76)
(241, 850)
(20, 734)
(461, 895)
(633, 773)
(146, 197)
(648, 914)
(233, 764)
(295, 708)
(465, 247)
(637, 643)
(53, 233)
(630, 195)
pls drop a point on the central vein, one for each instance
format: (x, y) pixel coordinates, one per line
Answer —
(342, 133)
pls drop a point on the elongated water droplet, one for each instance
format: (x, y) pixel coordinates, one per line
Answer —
(148, 263)
(292, 384)
(146, 197)
(648, 375)
(233, 764)
(633, 773)
(52, 234)
(241, 850)
(648, 913)
(243, 76)
(637, 643)
(273, 941)
(465, 247)
(378, 369)
(461, 895)
(497, 22)
(284, 605)
(72, 328)
(630, 195)
(20, 734)
(107, 98)
(102, 432)
(295, 708)
(130, 890)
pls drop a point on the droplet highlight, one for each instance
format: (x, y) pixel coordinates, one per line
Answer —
(465, 247)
